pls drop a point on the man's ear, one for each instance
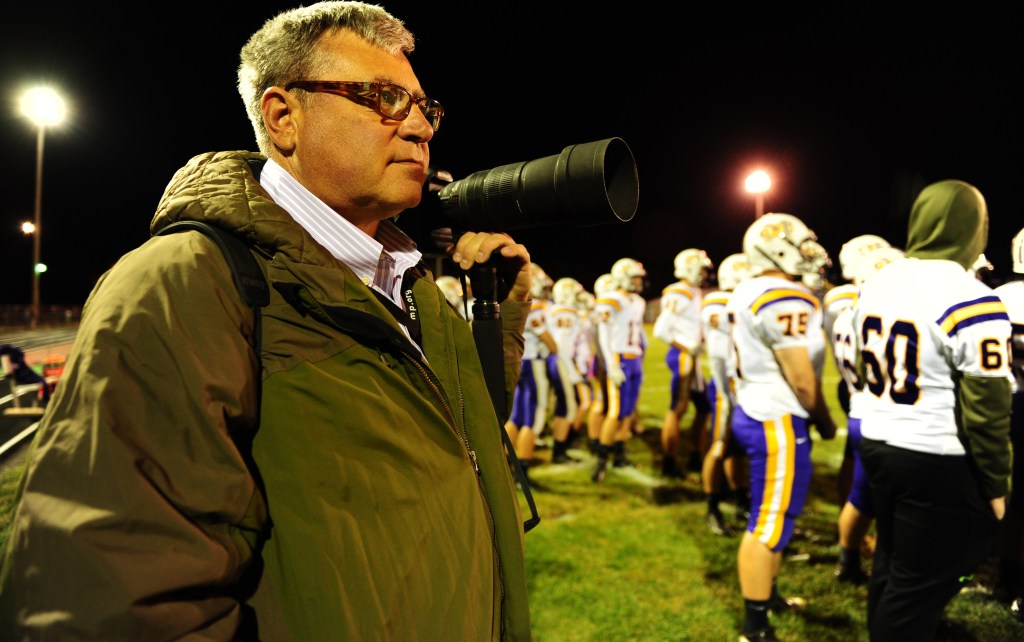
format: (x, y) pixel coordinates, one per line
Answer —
(281, 114)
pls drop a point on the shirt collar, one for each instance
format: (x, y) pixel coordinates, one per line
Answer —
(391, 251)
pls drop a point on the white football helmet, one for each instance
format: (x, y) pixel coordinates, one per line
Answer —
(540, 282)
(452, 290)
(624, 271)
(855, 249)
(981, 263)
(585, 301)
(874, 261)
(693, 266)
(566, 291)
(605, 284)
(777, 241)
(1017, 247)
(734, 269)
(816, 280)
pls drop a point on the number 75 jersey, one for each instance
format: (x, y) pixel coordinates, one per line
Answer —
(919, 325)
(769, 313)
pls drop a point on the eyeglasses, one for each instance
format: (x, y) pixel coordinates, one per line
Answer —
(390, 101)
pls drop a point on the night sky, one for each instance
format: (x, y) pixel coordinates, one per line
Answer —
(852, 112)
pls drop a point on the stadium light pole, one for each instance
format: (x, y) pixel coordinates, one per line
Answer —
(757, 183)
(45, 108)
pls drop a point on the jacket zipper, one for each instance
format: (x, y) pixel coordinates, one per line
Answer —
(435, 387)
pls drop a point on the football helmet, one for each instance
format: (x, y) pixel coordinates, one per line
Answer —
(452, 289)
(585, 301)
(1017, 247)
(693, 266)
(733, 269)
(625, 271)
(874, 261)
(566, 291)
(605, 284)
(540, 282)
(854, 249)
(777, 241)
(981, 264)
(816, 280)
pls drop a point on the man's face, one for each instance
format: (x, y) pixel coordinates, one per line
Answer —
(363, 165)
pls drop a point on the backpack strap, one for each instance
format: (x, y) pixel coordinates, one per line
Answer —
(244, 268)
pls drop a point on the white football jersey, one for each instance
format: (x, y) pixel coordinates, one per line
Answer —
(918, 325)
(844, 351)
(639, 309)
(771, 313)
(565, 324)
(835, 301)
(1012, 295)
(679, 319)
(536, 325)
(586, 348)
(616, 314)
(717, 342)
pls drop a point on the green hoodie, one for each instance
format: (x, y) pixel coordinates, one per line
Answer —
(949, 220)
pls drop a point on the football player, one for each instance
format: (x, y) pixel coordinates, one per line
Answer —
(777, 337)
(724, 462)
(857, 513)
(605, 284)
(621, 341)
(530, 400)
(1011, 537)
(565, 324)
(932, 347)
(678, 324)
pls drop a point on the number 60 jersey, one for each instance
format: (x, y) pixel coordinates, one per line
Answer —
(920, 326)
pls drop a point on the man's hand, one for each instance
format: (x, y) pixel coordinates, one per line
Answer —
(826, 429)
(998, 507)
(511, 260)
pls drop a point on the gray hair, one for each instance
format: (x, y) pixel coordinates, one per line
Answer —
(285, 49)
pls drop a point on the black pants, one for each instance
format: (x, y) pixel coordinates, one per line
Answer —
(934, 528)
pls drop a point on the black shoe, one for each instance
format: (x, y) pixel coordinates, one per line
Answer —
(766, 634)
(778, 604)
(600, 470)
(716, 524)
(695, 463)
(621, 462)
(850, 575)
(670, 468)
(563, 458)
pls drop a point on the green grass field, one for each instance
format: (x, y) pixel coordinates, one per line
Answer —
(631, 559)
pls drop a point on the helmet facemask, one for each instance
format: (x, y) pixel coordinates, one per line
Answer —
(782, 242)
(629, 275)
(693, 266)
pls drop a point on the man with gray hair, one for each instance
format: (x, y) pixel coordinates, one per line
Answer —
(347, 481)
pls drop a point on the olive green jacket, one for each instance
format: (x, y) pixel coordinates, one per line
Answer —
(373, 502)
